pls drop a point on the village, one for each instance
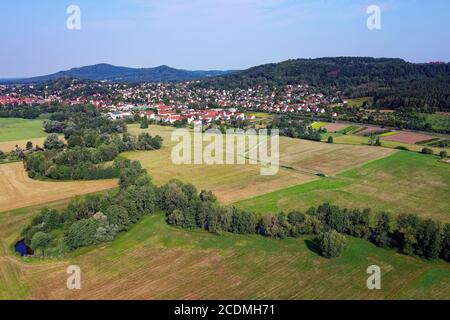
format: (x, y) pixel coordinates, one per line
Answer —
(174, 102)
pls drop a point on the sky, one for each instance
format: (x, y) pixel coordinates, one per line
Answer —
(214, 34)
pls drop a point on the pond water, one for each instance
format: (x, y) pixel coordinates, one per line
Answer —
(23, 249)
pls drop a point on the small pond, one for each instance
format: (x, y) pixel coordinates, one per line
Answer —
(22, 248)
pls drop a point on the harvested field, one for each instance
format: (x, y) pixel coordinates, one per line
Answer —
(7, 146)
(300, 161)
(409, 137)
(18, 191)
(326, 158)
(371, 130)
(156, 261)
(405, 182)
(360, 140)
(334, 127)
(229, 182)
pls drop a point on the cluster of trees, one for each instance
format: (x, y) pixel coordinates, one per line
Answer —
(90, 140)
(442, 154)
(79, 162)
(93, 219)
(26, 111)
(18, 154)
(98, 218)
(296, 128)
(187, 208)
(375, 140)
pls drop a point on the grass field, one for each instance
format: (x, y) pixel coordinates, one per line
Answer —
(12, 129)
(318, 125)
(360, 140)
(326, 158)
(156, 261)
(229, 182)
(404, 182)
(388, 134)
(358, 102)
(260, 115)
(301, 160)
(18, 191)
(438, 121)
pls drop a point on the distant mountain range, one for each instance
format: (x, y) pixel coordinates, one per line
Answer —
(123, 74)
(392, 83)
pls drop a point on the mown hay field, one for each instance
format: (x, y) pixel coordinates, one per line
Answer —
(300, 161)
(7, 146)
(404, 182)
(156, 261)
(359, 140)
(18, 190)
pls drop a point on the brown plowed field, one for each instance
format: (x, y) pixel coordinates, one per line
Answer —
(409, 137)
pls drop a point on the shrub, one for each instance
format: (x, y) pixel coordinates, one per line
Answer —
(429, 239)
(105, 231)
(81, 234)
(243, 222)
(302, 224)
(443, 155)
(331, 244)
(382, 230)
(359, 225)
(41, 241)
(427, 151)
(219, 219)
(330, 140)
(144, 123)
(407, 232)
(445, 252)
(53, 142)
(118, 216)
(176, 218)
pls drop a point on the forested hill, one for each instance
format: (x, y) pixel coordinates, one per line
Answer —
(394, 83)
(125, 75)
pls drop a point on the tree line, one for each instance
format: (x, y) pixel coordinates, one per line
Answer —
(295, 128)
(94, 219)
(426, 238)
(26, 111)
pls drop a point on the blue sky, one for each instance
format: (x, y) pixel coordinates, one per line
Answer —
(214, 34)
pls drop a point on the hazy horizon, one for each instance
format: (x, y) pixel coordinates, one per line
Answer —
(146, 67)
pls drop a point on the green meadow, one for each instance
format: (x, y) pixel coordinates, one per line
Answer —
(438, 121)
(12, 129)
(156, 261)
(404, 182)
